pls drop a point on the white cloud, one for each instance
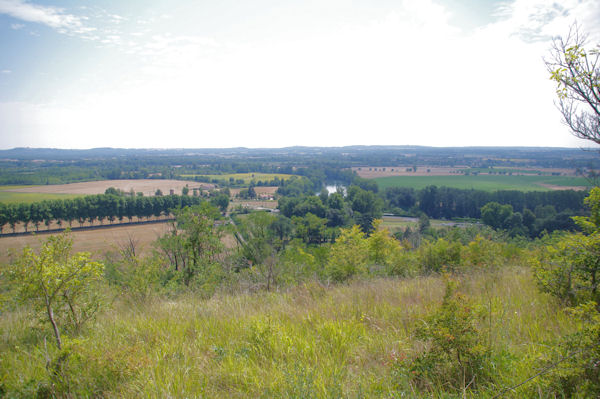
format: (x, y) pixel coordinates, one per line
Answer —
(5, 71)
(17, 26)
(53, 17)
(542, 19)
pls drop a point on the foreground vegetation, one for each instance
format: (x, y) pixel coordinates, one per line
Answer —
(352, 340)
(367, 316)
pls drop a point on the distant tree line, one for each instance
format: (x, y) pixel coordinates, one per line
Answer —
(447, 203)
(90, 209)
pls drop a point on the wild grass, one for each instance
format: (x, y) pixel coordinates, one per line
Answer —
(310, 341)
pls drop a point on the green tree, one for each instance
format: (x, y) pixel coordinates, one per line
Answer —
(383, 248)
(12, 216)
(58, 210)
(495, 215)
(35, 214)
(24, 215)
(570, 269)
(251, 192)
(221, 201)
(194, 242)
(47, 213)
(349, 255)
(61, 285)
(3, 216)
(576, 72)
(257, 243)
(310, 228)
(424, 223)
(366, 207)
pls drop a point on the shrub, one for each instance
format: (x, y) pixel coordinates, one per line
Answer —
(349, 255)
(439, 255)
(454, 358)
(60, 286)
(576, 358)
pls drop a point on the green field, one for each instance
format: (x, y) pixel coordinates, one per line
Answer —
(246, 177)
(9, 197)
(483, 182)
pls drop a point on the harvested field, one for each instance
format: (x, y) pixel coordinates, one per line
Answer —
(95, 241)
(146, 186)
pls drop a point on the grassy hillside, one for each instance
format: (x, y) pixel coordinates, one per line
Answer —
(484, 182)
(348, 341)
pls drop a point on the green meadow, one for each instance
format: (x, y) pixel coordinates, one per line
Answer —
(484, 182)
(10, 197)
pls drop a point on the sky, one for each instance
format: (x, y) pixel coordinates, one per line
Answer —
(276, 73)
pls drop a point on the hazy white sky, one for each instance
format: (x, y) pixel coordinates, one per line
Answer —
(273, 73)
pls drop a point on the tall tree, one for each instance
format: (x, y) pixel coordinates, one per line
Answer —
(576, 70)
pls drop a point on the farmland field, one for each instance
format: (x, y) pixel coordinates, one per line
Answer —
(487, 182)
(146, 186)
(246, 177)
(17, 197)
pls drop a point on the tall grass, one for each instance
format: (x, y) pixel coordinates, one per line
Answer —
(309, 341)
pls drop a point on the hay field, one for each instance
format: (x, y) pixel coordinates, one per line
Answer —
(146, 186)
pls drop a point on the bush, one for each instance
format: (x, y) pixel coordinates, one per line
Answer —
(349, 255)
(577, 373)
(439, 255)
(454, 357)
